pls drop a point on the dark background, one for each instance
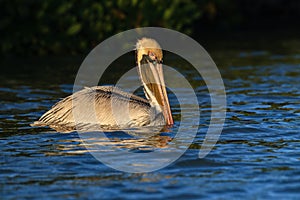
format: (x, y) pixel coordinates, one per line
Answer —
(54, 27)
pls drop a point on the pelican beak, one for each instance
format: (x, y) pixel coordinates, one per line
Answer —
(151, 73)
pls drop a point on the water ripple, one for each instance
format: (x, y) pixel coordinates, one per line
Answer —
(257, 155)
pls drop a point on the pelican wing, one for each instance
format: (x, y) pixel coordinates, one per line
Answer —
(106, 106)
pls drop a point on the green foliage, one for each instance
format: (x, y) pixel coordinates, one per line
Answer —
(70, 27)
(37, 27)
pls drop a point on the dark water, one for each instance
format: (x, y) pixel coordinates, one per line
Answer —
(256, 157)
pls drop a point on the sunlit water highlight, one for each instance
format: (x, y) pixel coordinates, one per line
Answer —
(257, 155)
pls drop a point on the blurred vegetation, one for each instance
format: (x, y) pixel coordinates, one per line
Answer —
(55, 27)
(52, 27)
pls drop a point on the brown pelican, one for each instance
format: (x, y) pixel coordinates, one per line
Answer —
(153, 111)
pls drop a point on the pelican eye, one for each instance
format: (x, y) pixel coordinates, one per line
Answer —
(148, 59)
(154, 61)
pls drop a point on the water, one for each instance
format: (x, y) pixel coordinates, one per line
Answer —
(257, 155)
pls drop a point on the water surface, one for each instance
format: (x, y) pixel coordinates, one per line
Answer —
(257, 155)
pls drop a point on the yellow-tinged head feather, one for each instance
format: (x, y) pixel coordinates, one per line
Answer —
(145, 46)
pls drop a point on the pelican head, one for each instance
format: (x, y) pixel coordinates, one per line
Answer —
(149, 60)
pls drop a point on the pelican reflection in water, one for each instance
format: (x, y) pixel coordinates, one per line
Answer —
(152, 111)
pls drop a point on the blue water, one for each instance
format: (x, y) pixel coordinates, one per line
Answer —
(256, 157)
